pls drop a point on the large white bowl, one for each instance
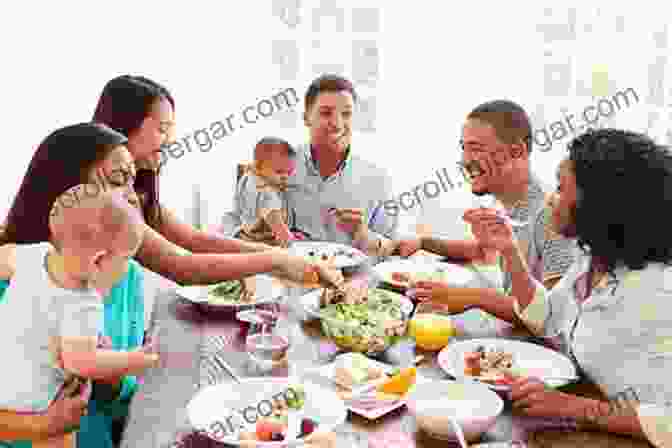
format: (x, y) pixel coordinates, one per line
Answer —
(473, 406)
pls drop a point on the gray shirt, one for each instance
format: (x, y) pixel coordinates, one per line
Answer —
(550, 254)
(356, 184)
(526, 211)
(34, 315)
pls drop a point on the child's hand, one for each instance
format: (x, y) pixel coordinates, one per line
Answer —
(351, 220)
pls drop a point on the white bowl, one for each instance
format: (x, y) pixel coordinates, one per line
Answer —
(473, 406)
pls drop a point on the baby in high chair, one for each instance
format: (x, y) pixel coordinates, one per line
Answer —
(260, 194)
(52, 313)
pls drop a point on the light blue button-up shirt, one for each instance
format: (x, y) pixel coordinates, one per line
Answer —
(356, 184)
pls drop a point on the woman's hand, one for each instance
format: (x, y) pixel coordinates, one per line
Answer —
(64, 414)
(448, 297)
(491, 229)
(533, 398)
(298, 270)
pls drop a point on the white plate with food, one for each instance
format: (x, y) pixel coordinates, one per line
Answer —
(231, 294)
(402, 273)
(274, 412)
(339, 255)
(356, 378)
(497, 362)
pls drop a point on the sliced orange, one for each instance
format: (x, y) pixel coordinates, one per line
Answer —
(400, 383)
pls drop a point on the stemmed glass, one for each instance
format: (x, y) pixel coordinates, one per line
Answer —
(268, 342)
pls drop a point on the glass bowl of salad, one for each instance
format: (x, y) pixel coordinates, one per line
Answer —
(370, 327)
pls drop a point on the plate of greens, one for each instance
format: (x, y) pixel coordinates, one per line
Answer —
(228, 294)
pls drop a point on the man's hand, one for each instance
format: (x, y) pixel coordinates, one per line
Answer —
(408, 247)
(491, 230)
(449, 298)
(351, 221)
(64, 414)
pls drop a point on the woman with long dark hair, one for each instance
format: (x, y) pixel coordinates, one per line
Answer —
(93, 153)
(610, 312)
(67, 157)
(143, 110)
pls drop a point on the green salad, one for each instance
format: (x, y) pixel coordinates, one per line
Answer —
(230, 291)
(367, 327)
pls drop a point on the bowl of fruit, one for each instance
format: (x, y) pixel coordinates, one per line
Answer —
(273, 412)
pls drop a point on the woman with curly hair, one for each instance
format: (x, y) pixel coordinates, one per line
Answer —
(611, 311)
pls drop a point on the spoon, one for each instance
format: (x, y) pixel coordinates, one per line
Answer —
(459, 433)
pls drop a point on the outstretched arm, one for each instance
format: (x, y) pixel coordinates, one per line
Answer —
(167, 259)
(197, 241)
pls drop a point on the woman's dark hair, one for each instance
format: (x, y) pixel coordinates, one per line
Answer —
(123, 105)
(624, 198)
(64, 159)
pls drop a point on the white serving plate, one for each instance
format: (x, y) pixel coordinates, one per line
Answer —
(533, 359)
(452, 274)
(266, 291)
(328, 371)
(216, 403)
(302, 248)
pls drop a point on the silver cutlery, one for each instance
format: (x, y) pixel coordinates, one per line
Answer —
(458, 432)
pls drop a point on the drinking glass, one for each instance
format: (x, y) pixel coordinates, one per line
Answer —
(267, 343)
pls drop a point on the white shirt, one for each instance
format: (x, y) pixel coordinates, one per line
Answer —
(620, 336)
(33, 311)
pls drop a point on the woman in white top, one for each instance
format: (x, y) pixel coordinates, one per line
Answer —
(611, 312)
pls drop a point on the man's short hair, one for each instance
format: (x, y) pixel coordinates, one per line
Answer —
(509, 119)
(328, 83)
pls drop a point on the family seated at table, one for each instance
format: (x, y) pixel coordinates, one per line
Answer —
(135, 117)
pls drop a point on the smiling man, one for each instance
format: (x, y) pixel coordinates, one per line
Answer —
(329, 174)
(496, 144)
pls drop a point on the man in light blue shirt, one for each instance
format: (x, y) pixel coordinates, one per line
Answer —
(329, 175)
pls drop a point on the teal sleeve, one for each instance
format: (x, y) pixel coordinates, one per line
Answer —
(3, 286)
(129, 384)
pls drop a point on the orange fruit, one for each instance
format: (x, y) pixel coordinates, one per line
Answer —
(400, 383)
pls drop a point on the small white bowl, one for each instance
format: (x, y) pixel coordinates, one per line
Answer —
(473, 406)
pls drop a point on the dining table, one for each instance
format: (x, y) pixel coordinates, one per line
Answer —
(198, 346)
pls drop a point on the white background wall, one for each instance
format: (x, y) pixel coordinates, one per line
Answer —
(437, 61)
